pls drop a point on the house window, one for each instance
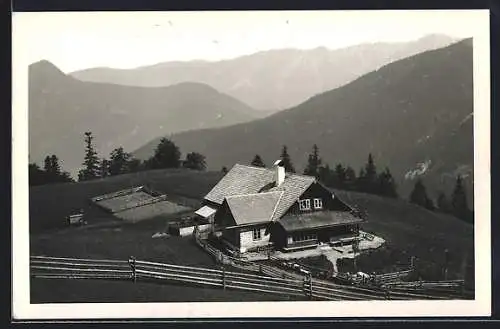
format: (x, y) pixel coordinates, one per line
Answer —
(318, 204)
(304, 237)
(256, 234)
(305, 204)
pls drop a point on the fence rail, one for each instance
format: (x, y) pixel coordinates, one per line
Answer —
(266, 280)
(384, 286)
(393, 277)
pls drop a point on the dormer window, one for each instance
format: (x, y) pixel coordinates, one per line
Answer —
(305, 204)
(318, 204)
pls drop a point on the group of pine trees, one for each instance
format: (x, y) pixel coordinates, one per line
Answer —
(341, 177)
(166, 155)
(455, 205)
(50, 173)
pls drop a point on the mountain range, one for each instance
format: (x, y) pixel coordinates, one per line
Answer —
(274, 79)
(62, 109)
(414, 115)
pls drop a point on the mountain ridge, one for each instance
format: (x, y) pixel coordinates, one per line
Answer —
(272, 79)
(385, 112)
(62, 108)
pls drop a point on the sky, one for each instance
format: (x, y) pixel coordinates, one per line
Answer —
(79, 40)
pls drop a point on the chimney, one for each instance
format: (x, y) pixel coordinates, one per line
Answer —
(279, 174)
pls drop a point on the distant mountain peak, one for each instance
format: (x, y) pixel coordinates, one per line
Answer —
(46, 69)
(44, 64)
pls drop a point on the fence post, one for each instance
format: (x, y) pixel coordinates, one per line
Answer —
(310, 286)
(223, 277)
(131, 262)
(446, 259)
(304, 286)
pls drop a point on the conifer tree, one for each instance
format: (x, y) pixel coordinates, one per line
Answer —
(325, 175)
(51, 166)
(442, 203)
(195, 161)
(287, 162)
(313, 163)
(37, 176)
(167, 155)
(104, 168)
(370, 178)
(91, 161)
(419, 196)
(386, 184)
(119, 162)
(257, 161)
(135, 165)
(361, 181)
(350, 178)
(340, 176)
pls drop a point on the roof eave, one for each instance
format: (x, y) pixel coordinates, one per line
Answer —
(247, 224)
(321, 226)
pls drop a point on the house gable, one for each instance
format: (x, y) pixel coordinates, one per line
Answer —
(328, 201)
(223, 216)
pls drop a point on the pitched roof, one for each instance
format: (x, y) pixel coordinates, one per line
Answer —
(253, 208)
(318, 219)
(241, 180)
(205, 211)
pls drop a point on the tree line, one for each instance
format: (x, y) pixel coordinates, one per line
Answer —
(369, 180)
(456, 204)
(166, 155)
(50, 173)
(341, 176)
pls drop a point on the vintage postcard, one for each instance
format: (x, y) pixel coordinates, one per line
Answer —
(251, 164)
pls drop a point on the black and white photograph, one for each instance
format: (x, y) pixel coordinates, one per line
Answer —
(251, 163)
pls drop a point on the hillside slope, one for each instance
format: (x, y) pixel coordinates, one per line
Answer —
(409, 230)
(275, 79)
(416, 110)
(62, 108)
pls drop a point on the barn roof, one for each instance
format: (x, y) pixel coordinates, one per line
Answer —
(244, 180)
(253, 208)
(318, 219)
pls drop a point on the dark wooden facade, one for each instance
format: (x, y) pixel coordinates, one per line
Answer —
(240, 236)
(313, 236)
(282, 239)
(317, 190)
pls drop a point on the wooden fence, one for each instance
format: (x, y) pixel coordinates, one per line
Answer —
(383, 286)
(296, 288)
(140, 203)
(116, 194)
(393, 276)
